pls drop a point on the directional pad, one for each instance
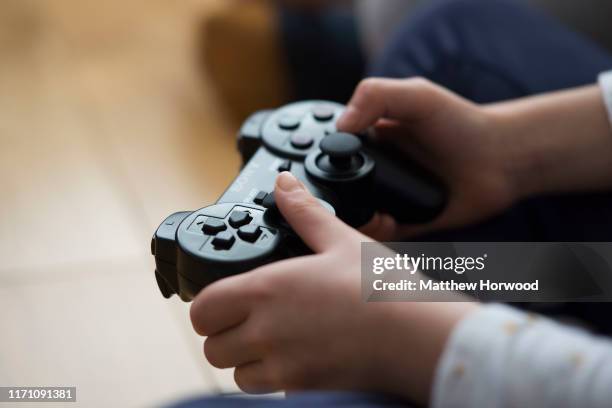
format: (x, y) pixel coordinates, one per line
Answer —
(249, 233)
(223, 240)
(239, 218)
(213, 225)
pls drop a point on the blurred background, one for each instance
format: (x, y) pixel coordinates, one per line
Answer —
(115, 114)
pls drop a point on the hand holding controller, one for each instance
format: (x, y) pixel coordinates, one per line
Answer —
(244, 230)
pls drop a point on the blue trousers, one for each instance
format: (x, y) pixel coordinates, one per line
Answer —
(488, 50)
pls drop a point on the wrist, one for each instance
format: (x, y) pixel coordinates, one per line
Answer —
(555, 143)
(522, 157)
(514, 157)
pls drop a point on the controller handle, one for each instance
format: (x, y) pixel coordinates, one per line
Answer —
(407, 191)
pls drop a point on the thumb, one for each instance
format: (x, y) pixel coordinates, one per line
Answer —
(317, 227)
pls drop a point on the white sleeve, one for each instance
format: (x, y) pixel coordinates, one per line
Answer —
(605, 83)
(501, 357)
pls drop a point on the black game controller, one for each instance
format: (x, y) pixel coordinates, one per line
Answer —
(352, 178)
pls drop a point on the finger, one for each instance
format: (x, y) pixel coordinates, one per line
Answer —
(221, 305)
(401, 99)
(388, 130)
(231, 348)
(253, 378)
(228, 302)
(319, 229)
(382, 227)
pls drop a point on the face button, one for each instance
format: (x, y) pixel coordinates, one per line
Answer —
(213, 225)
(249, 233)
(285, 166)
(239, 218)
(322, 112)
(223, 240)
(301, 140)
(259, 198)
(288, 122)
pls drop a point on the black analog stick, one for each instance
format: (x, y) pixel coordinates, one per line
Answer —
(340, 149)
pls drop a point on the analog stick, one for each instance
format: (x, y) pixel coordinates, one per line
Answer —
(340, 153)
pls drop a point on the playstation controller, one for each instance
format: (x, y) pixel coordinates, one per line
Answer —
(352, 177)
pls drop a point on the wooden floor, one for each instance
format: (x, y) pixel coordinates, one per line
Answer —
(106, 126)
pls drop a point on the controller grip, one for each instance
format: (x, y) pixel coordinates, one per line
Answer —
(405, 190)
(163, 248)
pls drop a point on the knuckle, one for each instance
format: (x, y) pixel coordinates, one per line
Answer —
(302, 208)
(256, 336)
(420, 82)
(262, 290)
(303, 205)
(368, 87)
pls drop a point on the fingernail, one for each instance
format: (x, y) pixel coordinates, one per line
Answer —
(348, 117)
(287, 182)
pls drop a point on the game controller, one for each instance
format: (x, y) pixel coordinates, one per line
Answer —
(351, 176)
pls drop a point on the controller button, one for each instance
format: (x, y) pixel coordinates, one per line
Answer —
(288, 122)
(340, 145)
(285, 166)
(322, 112)
(223, 240)
(269, 201)
(341, 153)
(239, 218)
(301, 140)
(260, 197)
(249, 233)
(213, 225)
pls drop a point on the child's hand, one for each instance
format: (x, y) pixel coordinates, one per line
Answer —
(301, 323)
(451, 136)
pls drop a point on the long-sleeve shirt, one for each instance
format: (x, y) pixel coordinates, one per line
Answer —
(502, 357)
